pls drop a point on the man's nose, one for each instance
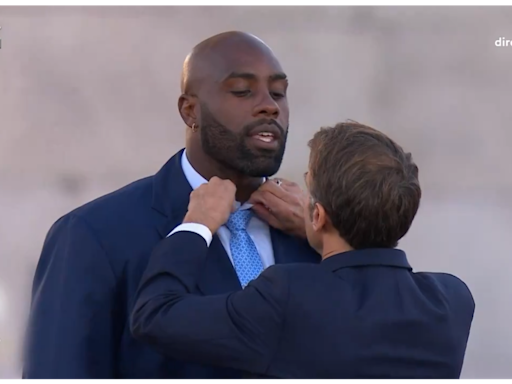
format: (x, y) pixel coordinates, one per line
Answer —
(267, 106)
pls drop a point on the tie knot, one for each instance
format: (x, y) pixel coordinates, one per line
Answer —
(238, 220)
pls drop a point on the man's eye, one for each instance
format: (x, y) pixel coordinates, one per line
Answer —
(240, 93)
(277, 95)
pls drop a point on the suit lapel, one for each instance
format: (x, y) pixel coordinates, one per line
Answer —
(171, 192)
(282, 252)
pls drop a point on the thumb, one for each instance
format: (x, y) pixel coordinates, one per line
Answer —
(255, 198)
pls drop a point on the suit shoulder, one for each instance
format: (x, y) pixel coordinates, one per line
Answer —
(119, 199)
(114, 208)
(102, 224)
(448, 281)
(106, 216)
(275, 273)
(284, 273)
(452, 285)
(295, 270)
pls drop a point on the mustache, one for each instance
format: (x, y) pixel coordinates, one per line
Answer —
(249, 127)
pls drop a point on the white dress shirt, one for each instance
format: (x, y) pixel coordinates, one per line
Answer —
(257, 229)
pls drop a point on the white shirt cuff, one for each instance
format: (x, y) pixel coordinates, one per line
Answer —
(200, 229)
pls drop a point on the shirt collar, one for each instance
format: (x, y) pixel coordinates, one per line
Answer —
(195, 179)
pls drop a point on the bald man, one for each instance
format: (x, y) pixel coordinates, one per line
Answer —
(234, 104)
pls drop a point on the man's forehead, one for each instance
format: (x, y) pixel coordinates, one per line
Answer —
(218, 59)
(257, 64)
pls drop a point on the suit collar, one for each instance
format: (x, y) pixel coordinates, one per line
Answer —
(368, 257)
(171, 192)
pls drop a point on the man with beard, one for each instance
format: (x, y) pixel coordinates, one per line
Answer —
(235, 107)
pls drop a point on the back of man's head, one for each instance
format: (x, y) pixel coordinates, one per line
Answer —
(366, 183)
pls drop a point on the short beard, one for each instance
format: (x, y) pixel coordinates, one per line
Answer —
(230, 149)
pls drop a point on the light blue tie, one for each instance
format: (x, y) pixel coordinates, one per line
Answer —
(246, 260)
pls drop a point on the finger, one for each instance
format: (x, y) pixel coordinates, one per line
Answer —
(228, 183)
(277, 181)
(283, 182)
(284, 188)
(231, 184)
(283, 192)
(230, 188)
(273, 188)
(256, 197)
(276, 205)
(267, 216)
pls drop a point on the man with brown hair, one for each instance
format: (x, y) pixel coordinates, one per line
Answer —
(361, 313)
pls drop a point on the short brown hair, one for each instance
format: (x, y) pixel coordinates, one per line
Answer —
(366, 183)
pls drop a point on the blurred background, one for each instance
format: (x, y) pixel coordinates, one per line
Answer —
(88, 103)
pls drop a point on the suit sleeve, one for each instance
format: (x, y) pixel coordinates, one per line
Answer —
(70, 333)
(240, 330)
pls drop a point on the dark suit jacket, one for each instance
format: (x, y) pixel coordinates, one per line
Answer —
(358, 314)
(90, 268)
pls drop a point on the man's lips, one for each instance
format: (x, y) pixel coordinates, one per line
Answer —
(266, 133)
(265, 137)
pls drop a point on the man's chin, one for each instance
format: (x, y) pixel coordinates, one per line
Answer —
(254, 170)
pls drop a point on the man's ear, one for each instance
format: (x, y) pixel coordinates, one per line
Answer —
(319, 217)
(187, 109)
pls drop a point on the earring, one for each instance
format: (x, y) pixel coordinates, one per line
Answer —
(194, 127)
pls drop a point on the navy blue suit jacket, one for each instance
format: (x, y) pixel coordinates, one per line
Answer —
(358, 314)
(91, 264)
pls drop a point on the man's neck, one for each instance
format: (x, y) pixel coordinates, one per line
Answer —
(333, 245)
(208, 168)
